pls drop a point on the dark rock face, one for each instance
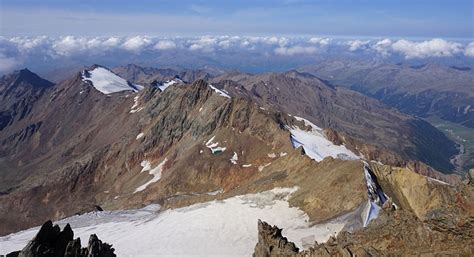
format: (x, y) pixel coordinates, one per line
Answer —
(272, 243)
(52, 242)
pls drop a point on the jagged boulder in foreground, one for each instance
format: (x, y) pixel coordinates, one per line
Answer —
(51, 241)
(272, 243)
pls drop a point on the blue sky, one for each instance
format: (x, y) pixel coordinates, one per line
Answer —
(372, 18)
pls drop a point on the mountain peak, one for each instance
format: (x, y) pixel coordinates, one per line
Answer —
(25, 75)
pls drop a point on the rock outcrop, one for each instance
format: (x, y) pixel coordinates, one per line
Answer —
(432, 218)
(52, 242)
(272, 243)
(394, 233)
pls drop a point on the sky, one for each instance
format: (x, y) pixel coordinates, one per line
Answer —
(362, 18)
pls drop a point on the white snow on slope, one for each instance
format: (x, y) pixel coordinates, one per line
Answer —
(214, 147)
(140, 136)
(155, 172)
(234, 158)
(216, 228)
(135, 107)
(376, 198)
(163, 86)
(220, 92)
(107, 82)
(316, 145)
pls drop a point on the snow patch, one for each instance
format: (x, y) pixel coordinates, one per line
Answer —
(140, 135)
(216, 228)
(283, 154)
(108, 82)
(316, 145)
(217, 192)
(272, 155)
(155, 172)
(247, 165)
(234, 158)
(163, 86)
(134, 108)
(220, 92)
(438, 181)
(214, 147)
(261, 167)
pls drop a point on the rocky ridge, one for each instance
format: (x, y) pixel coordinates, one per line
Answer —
(51, 241)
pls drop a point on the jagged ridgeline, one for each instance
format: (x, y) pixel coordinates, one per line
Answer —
(180, 155)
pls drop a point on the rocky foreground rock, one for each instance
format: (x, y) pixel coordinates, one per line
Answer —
(52, 242)
(394, 233)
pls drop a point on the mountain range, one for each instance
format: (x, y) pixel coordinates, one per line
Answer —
(190, 141)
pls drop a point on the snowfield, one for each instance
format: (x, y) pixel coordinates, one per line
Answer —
(108, 82)
(316, 145)
(216, 228)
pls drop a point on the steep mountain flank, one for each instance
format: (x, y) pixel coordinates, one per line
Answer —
(19, 92)
(363, 124)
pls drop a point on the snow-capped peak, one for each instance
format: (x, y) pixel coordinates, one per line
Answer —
(107, 82)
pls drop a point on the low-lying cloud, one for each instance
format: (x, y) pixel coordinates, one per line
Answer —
(15, 51)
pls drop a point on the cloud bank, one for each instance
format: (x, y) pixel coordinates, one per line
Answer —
(16, 51)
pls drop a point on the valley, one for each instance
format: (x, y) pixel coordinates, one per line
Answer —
(463, 136)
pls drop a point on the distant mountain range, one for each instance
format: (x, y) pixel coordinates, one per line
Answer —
(421, 90)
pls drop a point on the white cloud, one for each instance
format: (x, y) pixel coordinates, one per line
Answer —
(136, 43)
(111, 42)
(383, 47)
(205, 44)
(355, 45)
(295, 50)
(8, 64)
(281, 41)
(165, 45)
(433, 48)
(320, 41)
(469, 51)
(68, 45)
(27, 44)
